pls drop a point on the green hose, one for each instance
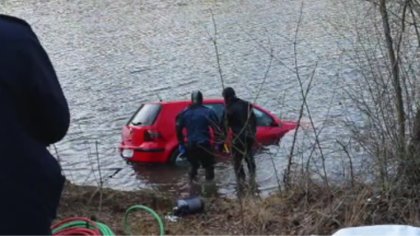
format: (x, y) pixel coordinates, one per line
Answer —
(105, 229)
(147, 209)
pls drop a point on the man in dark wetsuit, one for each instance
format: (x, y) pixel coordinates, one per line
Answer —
(33, 114)
(198, 119)
(240, 118)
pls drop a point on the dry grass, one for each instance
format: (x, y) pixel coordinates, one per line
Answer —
(300, 211)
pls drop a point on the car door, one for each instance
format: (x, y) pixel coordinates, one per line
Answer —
(267, 133)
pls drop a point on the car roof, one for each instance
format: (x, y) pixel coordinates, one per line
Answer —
(209, 100)
(205, 101)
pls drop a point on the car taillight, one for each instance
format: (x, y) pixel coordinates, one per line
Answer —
(151, 135)
(127, 134)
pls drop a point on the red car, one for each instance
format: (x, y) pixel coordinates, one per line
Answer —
(150, 136)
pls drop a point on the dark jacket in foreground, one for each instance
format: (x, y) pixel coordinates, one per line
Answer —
(33, 114)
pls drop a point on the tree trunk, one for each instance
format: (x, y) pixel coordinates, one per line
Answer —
(399, 103)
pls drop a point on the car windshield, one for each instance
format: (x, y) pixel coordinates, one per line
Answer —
(145, 115)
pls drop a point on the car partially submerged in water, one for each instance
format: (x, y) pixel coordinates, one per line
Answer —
(150, 135)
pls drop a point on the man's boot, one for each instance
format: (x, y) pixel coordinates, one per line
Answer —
(192, 174)
(209, 173)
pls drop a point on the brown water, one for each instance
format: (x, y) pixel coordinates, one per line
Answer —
(111, 56)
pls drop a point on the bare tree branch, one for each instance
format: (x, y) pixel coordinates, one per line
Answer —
(216, 49)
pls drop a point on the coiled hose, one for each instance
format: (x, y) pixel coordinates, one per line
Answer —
(85, 226)
(148, 210)
(81, 226)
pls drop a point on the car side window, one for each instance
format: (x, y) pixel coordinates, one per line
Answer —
(263, 119)
(218, 108)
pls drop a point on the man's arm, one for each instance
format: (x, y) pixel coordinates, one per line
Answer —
(226, 122)
(179, 125)
(47, 107)
(216, 126)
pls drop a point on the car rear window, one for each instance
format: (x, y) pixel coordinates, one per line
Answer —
(145, 115)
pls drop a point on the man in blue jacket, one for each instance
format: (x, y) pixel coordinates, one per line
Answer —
(33, 114)
(198, 119)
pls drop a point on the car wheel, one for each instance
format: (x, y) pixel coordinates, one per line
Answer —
(178, 160)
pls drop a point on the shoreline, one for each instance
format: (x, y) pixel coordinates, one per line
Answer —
(221, 215)
(302, 210)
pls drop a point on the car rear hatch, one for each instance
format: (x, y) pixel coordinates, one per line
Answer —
(139, 128)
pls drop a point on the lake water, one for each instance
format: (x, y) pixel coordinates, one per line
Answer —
(111, 56)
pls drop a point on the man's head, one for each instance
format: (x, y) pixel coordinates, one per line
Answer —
(197, 97)
(228, 94)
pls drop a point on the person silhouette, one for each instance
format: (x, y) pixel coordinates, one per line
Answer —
(34, 114)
